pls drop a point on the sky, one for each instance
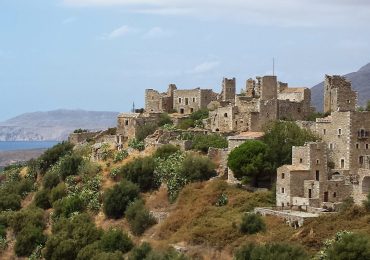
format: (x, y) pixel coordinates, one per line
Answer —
(102, 54)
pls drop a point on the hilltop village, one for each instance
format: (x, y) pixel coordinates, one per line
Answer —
(322, 174)
(201, 175)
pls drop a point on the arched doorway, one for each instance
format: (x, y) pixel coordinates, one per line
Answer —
(366, 185)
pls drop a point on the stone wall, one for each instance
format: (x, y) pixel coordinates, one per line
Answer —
(338, 94)
(219, 156)
(76, 138)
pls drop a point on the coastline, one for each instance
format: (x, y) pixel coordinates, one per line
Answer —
(10, 157)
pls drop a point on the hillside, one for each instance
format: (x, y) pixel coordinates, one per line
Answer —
(74, 209)
(360, 83)
(54, 125)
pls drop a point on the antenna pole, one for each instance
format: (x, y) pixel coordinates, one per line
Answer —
(273, 66)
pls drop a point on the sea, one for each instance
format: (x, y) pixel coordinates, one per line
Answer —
(25, 145)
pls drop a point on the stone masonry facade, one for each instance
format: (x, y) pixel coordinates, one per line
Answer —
(264, 99)
(325, 173)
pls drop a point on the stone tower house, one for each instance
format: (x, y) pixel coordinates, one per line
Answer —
(228, 89)
(338, 95)
(269, 88)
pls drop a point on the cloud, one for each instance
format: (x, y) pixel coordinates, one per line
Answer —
(69, 20)
(204, 67)
(156, 32)
(262, 12)
(119, 32)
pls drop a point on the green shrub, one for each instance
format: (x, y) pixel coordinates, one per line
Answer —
(2, 230)
(52, 155)
(69, 236)
(280, 137)
(118, 198)
(164, 119)
(3, 244)
(169, 171)
(250, 162)
(80, 131)
(114, 173)
(137, 144)
(88, 168)
(64, 248)
(5, 217)
(170, 253)
(42, 199)
(141, 172)
(222, 200)
(10, 201)
(31, 216)
(138, 217)
(204, 142)
(197, 168)
(24, 187)
(36, 253)
(50, 180)
(186, 124)
(115, 240)
(144, 130)
(140, 252)
(165, 150)
(200, 114)
(108, 256)
(33, 167)
(350, 246)
(70, 165)
(89, 251)
(58, 192)
(28, 239)
(274, 251)
(106, 151)
(252, 223)
(68, 205)
(120, 155)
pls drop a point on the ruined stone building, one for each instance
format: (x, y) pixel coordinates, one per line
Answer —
(185, 101)
(327, 172)
(129, 123)
(265, 99)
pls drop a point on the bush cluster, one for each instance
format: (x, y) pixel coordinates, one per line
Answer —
(52, 155)
(137, 144)
(270, 251)
(165, 150)
(141, 172)
(117, 199)
(120, 155)
(204, 142)
(70, 236)
(178, 169)
(28, 225)
(252, 223)
(138, 217)
(67, 206)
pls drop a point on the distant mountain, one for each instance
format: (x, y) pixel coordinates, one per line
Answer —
(360, 83)
(54, 125)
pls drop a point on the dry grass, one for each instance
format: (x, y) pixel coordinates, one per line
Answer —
(197, 221)
(316, 231)
(158, 200)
